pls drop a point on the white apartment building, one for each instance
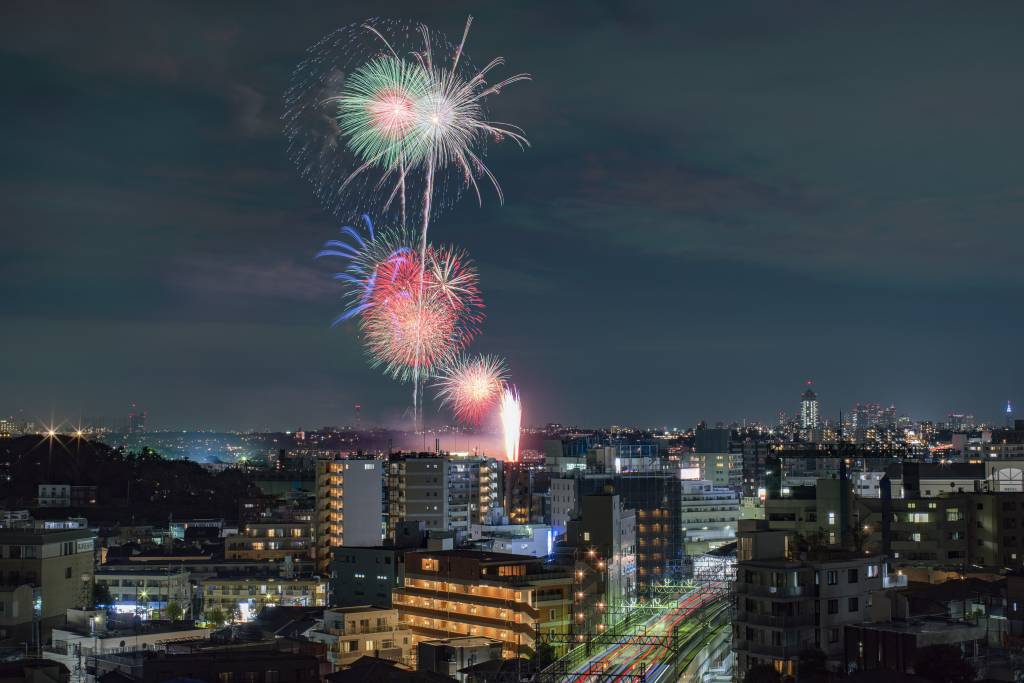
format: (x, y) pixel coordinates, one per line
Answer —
(353, 632)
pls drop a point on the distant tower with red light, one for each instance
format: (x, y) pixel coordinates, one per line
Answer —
(359, 417)
(136, 420)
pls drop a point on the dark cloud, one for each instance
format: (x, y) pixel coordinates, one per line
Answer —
(720, 201)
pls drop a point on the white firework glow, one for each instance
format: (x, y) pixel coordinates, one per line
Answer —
(511, 418)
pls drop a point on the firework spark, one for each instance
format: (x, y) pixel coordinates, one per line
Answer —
(511, 417)
(384, 111)
(471, 386)
(412, 314)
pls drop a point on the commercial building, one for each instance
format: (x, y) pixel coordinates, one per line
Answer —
(562, 456)
(604, 559)
(709, 515)
(713, 440)
(146, 591)
(353, 632)
(755, 452)
(244, 596)
(787, 602)
(525, 488)
(349, 505)
(56, 565)
(656, 498)
(366, 575)
(821, 511)
(458, 593)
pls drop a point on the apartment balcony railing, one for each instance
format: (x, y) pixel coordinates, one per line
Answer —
(773, 591)
(775, 622)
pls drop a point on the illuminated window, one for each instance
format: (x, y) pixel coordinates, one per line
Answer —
(430, 564)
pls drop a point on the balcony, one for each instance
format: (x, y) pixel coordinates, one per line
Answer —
(773, 591)
(775, 622)
(779, 651)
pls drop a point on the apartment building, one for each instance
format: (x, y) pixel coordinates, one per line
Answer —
(787, 602)
(445, 493)
(44, 571)
(456, 593)
(245, 596)
(271, 541)
(360, 631)
(349, 505)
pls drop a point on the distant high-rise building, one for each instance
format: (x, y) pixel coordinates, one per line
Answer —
(809, 408)
(6, 427)
(868, 415)
(958, 422)
(136, 420)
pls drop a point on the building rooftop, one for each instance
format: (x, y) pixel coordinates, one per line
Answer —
(187, 629)
(35, 536)
(354, 609)
(951, 470)
(953, 589)
(925, 625)
(383, 671)
(227, 576)
(135, 569)
(484, 556)
(723, 551)
(812, 559)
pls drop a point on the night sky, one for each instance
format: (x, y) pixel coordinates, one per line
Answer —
(722, 200)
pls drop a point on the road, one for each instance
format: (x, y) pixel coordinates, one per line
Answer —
(626, 662)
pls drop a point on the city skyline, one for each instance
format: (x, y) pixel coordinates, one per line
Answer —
(667, 254)
(137, 419)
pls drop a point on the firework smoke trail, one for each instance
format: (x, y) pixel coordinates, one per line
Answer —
(511, 418)
(471, 386)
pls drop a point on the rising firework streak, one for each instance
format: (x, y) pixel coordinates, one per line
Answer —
(511, 417)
